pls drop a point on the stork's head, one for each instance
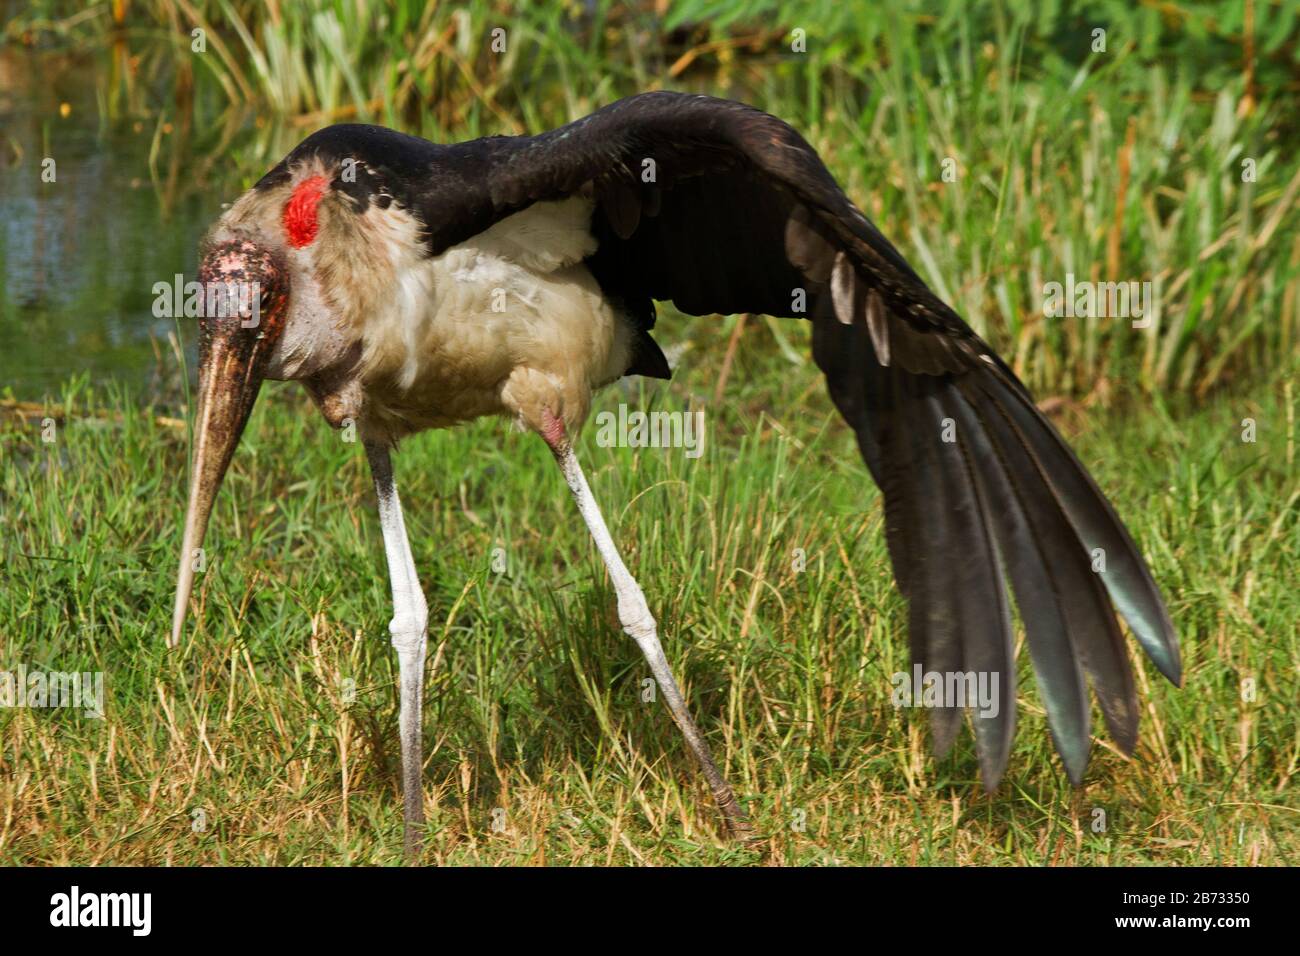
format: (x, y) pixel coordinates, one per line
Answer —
(287, 271)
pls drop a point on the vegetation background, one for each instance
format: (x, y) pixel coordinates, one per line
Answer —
(1168, 154)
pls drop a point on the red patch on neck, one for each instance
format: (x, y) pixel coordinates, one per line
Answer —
(300, 222)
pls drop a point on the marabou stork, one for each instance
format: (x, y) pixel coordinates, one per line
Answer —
(378, 258)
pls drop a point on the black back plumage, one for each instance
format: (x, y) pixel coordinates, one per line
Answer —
(721, 208)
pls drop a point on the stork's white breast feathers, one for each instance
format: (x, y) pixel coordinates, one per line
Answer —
(503, 323)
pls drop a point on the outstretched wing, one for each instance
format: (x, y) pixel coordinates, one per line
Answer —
(721, 208)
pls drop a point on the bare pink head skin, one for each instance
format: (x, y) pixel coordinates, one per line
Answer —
(284, 250)
(249, 286)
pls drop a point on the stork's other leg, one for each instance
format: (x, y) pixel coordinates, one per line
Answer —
(408, 628)
(640, 625)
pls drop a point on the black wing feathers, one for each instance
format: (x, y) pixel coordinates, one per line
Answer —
(737, 215)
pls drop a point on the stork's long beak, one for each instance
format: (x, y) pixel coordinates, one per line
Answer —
(244, 315)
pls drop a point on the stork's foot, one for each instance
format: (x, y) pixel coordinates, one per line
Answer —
(640, 625)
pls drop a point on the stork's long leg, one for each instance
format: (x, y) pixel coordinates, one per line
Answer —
(640, 625)
(409, 630)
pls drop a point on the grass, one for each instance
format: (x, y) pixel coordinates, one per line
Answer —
(247, 746)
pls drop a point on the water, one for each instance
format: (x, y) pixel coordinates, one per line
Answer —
(79, 256)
